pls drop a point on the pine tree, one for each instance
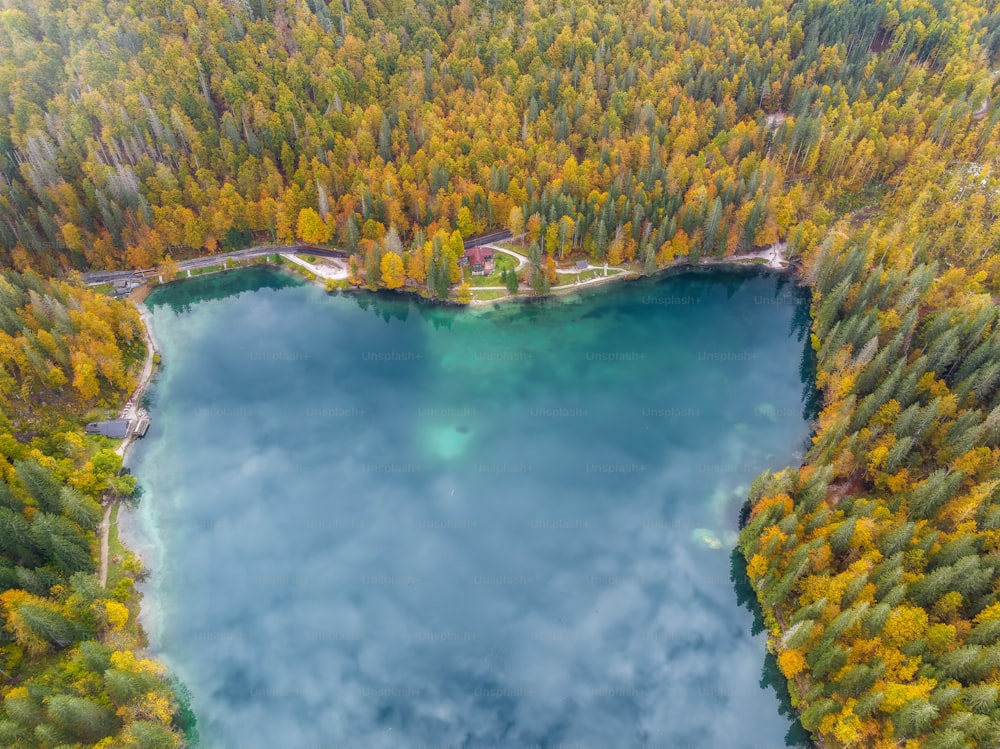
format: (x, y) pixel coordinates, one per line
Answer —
(41, 485)
(511, 281)
(81, 717)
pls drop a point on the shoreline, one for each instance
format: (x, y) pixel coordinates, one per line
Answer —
(130, 532)
(148, 369)
(145, 378)
(739, 264)
(132, 536)
(772, 259)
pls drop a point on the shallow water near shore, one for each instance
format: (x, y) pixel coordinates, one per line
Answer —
(375, 523)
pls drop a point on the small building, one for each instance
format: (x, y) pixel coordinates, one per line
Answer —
(480, 260)
(115, 428)
(582, 265)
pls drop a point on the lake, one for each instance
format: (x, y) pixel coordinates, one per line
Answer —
(376, 523)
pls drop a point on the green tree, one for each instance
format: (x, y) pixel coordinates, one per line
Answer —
(442, 280)
(81, 717)
(510, 281)
(41, 485)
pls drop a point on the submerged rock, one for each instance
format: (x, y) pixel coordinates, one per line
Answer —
(447, 441)
(767, 411)
(705, 537)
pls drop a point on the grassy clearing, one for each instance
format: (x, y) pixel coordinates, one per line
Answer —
(501, 263)
(93, 443)
(116, 570)
(569, 279)
(209, 269)
(304, 272)
(484, 295)
(122, 562)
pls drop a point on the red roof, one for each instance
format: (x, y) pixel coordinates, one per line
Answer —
(479, 255)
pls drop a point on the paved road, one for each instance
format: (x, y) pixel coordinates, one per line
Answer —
(522, 260)
(92, 278)
(110, 276)
(483, 240)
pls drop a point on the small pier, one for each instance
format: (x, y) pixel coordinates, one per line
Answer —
(141, 426)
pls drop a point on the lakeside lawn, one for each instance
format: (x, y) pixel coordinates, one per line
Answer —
(103, 288)
(501, 263)
(485, 295)
(203, 271)
(128, 565)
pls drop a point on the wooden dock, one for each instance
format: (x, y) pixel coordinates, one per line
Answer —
(141, 426)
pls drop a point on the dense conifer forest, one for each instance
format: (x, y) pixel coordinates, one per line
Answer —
(862, 135)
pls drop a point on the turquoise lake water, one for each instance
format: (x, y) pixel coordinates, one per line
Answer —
(372, 523)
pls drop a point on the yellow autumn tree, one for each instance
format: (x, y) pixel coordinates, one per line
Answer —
(464, 222)
(905, 624)
(85, 376)
(515, 222)
(311, 228)
(549, 265)
(393, 275)
(791, 662)
(416, 266)
(168, 268)
(115, 613)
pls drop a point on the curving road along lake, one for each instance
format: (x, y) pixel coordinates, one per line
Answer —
(372, 523)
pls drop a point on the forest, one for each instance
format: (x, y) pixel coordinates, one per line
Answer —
(630, 131)
(68, 650)
(862, 135)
